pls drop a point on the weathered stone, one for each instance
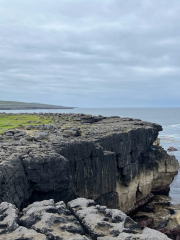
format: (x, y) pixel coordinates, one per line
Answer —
(52, 220)
(8, 218)
(104, 224)
(147, 234)
(9, 132)
(100, 221)
(85, 220)
(19, 133)
(41, 136)
(9, 225)
(71, 132)
(22, 233)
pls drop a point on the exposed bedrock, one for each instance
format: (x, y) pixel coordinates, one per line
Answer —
(110, 160)
(81, 219)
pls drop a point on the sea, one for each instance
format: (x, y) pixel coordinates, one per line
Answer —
(169, 118)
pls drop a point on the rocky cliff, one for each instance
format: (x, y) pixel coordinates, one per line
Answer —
(111, 160)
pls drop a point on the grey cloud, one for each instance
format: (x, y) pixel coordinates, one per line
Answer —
(87, 52)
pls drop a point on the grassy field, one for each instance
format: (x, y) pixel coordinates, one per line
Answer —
(9, 105)
(20, 121)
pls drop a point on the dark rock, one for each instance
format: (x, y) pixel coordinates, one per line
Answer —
(140, 204)
(14, 185)
(172, 234)
(47, 171)
(162, 190)
(9, 132)
(172, 149)
(148, 208)
(144, 221)
(162, 224)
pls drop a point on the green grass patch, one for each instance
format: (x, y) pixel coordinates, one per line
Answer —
(20, 121)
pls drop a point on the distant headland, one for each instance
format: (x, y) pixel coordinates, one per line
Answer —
(11, 105)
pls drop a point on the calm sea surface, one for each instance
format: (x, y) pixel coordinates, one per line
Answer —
(169, 118)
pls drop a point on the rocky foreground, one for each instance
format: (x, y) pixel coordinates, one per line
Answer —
(82, 219)
(110, 160)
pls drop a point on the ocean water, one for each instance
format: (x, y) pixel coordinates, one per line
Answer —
(169, 118)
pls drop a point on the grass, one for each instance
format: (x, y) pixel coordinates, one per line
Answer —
(127, 130)
(20, 121)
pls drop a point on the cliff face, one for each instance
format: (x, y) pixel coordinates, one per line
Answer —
(110, 160)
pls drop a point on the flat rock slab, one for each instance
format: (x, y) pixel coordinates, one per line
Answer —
(82, 219)
(40, 221)
(102, 223)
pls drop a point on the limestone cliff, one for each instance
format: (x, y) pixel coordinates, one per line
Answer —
(110, 160)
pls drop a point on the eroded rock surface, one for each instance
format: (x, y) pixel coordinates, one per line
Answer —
(82, 219)
(9, 227)
(53, 220)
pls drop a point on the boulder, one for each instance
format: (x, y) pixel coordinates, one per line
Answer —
(9, 133)
(172, 149)
(41, 136)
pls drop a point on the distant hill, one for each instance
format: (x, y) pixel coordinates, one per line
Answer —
(10, 105)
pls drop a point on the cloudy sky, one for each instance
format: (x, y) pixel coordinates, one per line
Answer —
(91, 53)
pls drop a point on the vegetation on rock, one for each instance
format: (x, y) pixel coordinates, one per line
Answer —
(12, 121)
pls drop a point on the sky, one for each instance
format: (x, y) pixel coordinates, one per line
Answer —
(91, 53)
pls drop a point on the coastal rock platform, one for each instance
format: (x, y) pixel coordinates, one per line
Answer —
(82, 219)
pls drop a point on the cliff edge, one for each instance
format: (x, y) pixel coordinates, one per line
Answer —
(111, 160)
